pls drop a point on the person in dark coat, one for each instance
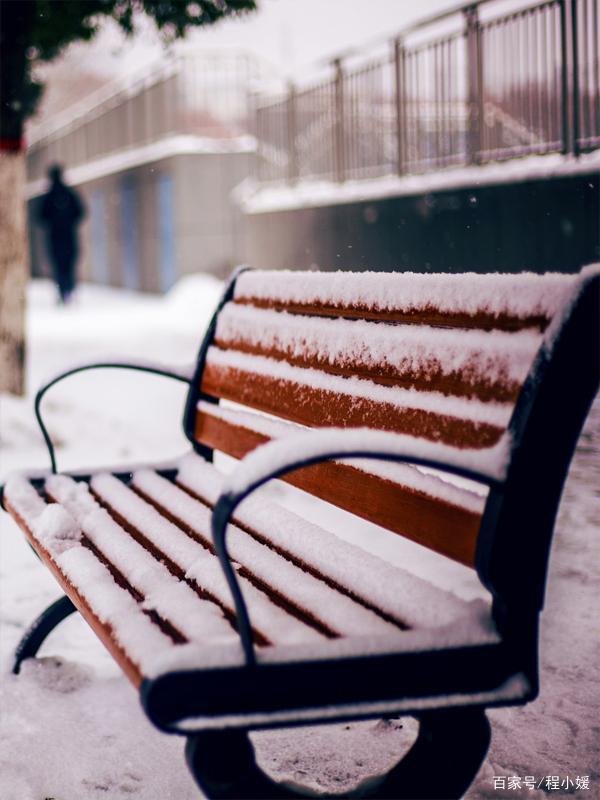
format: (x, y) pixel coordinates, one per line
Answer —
(61, 212)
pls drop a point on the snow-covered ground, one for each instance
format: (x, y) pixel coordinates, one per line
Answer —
(71, 727)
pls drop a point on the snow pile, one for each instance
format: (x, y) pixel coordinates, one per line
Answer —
(51, 524)
(56, 529)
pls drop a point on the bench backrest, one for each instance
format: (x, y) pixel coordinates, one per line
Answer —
(442, 357)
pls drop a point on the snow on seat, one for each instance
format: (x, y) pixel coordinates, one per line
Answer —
(127, 602)
(145, 548)
(302, 594)
(393, 592)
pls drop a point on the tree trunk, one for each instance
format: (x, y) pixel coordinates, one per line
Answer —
(14, 270)
(17, 98)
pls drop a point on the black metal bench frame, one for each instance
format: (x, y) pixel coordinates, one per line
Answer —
(518, 519)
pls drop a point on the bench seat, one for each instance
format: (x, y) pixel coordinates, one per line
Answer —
(135, 555)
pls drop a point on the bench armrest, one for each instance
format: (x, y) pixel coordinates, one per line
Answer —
(183, 375)
(274, 459)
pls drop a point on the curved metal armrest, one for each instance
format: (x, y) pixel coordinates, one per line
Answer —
(274, 459)
(141, 366)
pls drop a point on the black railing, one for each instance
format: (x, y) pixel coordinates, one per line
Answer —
(468, 86)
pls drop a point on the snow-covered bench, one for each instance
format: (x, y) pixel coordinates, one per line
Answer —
(452, 405)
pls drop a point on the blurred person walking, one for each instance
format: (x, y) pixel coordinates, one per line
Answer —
(61, 212)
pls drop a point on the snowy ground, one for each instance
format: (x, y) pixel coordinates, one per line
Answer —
(71, 727)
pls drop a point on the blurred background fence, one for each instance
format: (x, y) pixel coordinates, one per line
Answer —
(205, 94)
(162, 161)
(469, 86)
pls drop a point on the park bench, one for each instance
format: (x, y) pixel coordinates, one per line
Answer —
(442, 408)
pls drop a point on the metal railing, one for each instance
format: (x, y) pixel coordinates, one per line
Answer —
(206, 94)
(469, 86)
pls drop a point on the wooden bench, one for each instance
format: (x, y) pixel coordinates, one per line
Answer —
(452, 405)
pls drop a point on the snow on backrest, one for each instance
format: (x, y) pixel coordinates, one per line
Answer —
(439, 357)
(504, 301)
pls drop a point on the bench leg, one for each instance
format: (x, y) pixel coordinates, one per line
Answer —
(442, 763)
(224, 766)
(444, 759)
(40, 629)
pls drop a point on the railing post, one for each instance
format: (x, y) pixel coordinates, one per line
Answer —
(564, 83)
(474, 83)
(258, 135)
(252, 110)
(400, 99)
(291, 134)
(575, 76)
(339, 143)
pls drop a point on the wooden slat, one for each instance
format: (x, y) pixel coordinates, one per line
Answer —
(174, 569)
(426, 316)
(102, 630)
(266, 538)
(432, 378)
(432, 522)
(318, 407)
(260, 639)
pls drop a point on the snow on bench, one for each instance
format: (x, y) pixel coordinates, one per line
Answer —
(113, 611)
(278, 387)
(394, 592)
(436, 486)
(257, 563)
(489, 365)
(485, 301)
(475, 376)
(146, 549)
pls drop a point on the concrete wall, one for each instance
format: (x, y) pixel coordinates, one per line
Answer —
(149, 225)
(540, 225)
(206, 230)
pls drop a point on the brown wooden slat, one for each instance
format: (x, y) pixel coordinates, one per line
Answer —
(317, 407)
(425, 316)
(434, 523)
(466, 383)
(259, 638)
(102, 630)
(264, 538)
(286, 603)
(165, 625)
